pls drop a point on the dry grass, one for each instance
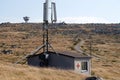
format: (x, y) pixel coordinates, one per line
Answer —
(108, 65)
(26, 38)
(24, 72)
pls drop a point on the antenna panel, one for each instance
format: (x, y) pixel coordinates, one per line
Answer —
(45, 12)
(53, 12)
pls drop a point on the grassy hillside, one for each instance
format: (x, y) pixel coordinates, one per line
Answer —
(21, 39)
(24, 72)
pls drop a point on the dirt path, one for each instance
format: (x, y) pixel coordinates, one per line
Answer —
(77, 47)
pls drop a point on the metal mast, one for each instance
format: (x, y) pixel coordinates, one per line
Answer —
(49, 8)
(45, 26)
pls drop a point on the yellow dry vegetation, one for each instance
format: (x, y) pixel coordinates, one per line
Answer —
(23, 72)
(24, 38)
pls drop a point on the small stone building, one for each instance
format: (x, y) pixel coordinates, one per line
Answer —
(63, 60)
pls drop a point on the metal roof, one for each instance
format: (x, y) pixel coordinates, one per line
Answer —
(65, 53)
(72, 54)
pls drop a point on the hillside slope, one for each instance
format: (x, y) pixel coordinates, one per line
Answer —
(24, 72)
(17, 40)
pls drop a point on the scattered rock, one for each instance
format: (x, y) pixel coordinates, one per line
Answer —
(13, 46)
(93, 78)
(7, 51)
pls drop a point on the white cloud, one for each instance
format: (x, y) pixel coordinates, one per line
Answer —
(84, 20)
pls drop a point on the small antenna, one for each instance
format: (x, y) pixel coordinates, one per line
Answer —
(26, 19)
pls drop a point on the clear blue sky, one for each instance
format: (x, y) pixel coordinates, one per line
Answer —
(75, 11)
